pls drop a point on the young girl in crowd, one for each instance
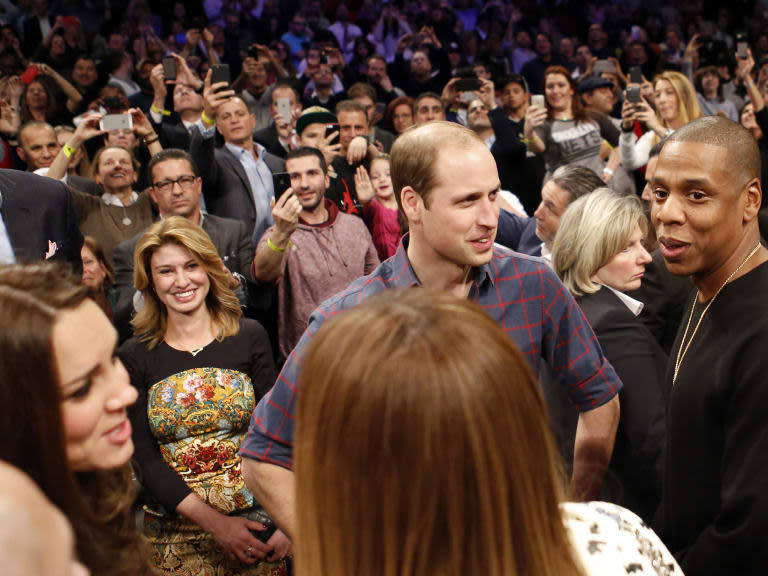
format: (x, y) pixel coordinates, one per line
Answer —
(63, 398)
(376, 194)
(199, 368)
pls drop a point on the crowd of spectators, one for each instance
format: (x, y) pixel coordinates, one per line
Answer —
(224, 177)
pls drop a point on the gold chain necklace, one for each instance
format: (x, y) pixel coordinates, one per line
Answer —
(683, 350)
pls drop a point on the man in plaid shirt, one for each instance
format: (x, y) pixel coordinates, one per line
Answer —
(447, 185)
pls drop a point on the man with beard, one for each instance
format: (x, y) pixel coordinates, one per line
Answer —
(313, 250)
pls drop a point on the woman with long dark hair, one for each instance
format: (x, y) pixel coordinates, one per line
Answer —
(63, 397)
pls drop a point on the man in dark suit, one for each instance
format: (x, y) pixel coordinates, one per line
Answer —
(38, 220)
(176, 189)
(534, 236)
(237, 178)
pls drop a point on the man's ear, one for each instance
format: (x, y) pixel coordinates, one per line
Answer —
(753, 196)
(20, 152)
(412, 204)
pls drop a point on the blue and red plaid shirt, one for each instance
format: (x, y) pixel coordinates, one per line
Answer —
(520, 292)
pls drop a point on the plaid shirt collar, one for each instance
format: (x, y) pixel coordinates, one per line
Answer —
(403, 274)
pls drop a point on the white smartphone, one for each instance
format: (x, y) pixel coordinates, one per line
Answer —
(284, 109)
(112, 122)
(538, 100)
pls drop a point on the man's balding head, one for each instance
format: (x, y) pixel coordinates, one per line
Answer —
(415, 153)
(35, 537)
(38, 144)
(743, 153)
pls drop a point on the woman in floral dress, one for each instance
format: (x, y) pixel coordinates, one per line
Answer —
(199, 368)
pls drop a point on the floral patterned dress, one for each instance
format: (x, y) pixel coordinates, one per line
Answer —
(190, 419)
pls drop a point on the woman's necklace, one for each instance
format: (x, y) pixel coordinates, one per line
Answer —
(683, 346)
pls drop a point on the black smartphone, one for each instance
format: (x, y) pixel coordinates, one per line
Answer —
(169, 67)
(468, 84)
(330, 129)
(281, 181)
(635, 75)
(253, 52)
(417, 38)
(220, 73)
(633, 94)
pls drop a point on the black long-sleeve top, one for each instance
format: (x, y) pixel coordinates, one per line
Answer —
(247, 352)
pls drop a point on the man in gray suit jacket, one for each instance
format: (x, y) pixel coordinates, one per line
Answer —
(176, 189)
(237, 178)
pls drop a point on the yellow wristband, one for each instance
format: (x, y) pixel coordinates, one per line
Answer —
(68, 150)
(207, 120)
(158, 111)
(274, 247)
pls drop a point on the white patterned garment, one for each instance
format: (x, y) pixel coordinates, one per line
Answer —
(610, 540)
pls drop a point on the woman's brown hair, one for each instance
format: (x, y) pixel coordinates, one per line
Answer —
(150, 322)
(98, 504)
(424, 449)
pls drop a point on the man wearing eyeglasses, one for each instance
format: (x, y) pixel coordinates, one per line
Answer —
(176, 188)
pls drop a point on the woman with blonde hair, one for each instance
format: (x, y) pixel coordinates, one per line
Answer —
(598, 253)
(63, 421)
(424, 450)
(676, 104)
(199, 368)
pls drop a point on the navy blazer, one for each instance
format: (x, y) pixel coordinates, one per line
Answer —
(39, 218)
(518, 234)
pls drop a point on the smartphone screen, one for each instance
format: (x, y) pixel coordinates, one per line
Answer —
(112, 122)
(741, 50)
(284, 109)
(169, 68)
(635, 75)
(538, 100)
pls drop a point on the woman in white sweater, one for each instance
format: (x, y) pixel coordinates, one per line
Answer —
(676, 104)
